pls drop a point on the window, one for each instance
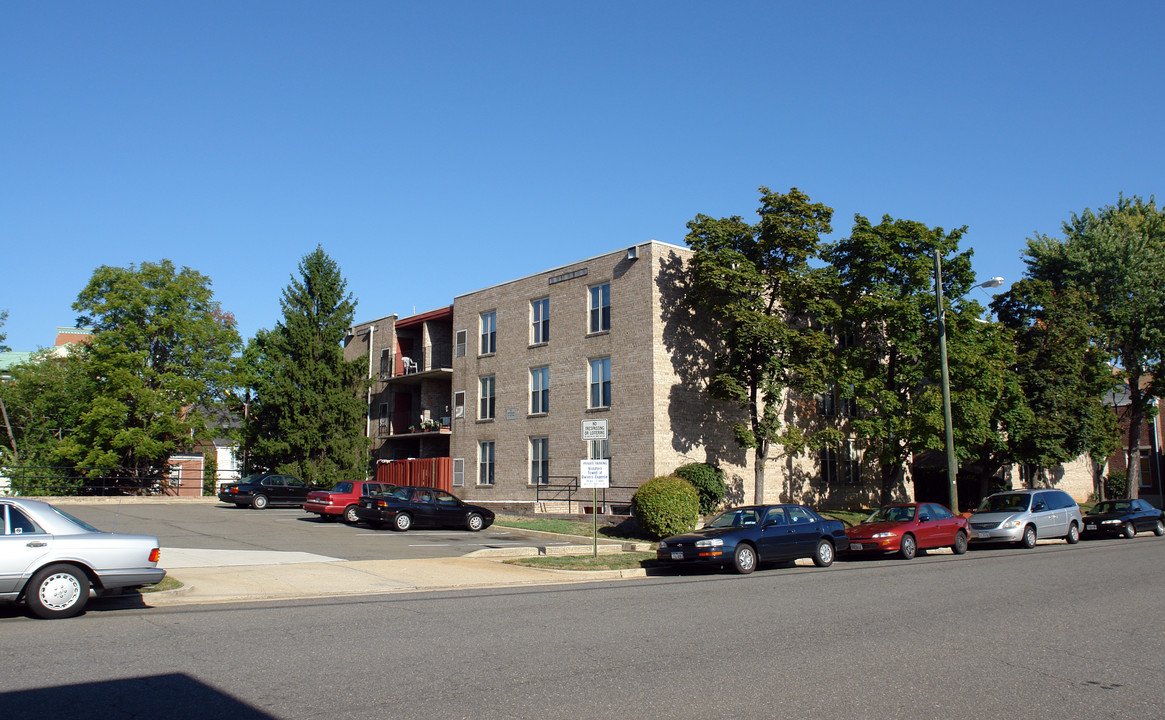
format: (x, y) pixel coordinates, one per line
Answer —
(599, 449)
(600, 307)
(485, 462)
(601, 382)
(539, 461)
(485, 409)
(458, 404)
(798, 515)
(459, 343)
(489, 332)
(458, 472)
(832, 405)
(540, 321)
(539, 390)
(840, 466)
(1145, 476)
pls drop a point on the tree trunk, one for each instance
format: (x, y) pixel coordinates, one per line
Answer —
(759, 473)
(1136, 420)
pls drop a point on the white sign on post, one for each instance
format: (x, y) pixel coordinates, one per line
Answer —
(594, 429)
(594, 474)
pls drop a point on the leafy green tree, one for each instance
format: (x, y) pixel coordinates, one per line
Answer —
(3, 335)
(161, 351)
(769, 308)
(1063, 373)
(1117, 257)
(308, 408)
(890, 360)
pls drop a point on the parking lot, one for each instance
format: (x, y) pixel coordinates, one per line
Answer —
(216, 526)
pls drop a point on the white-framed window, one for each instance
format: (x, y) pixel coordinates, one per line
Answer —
(486, 397)
(458, 472)
(600, 308)
(841, 466)
(485, 462)
(539, 460)
(540, 390)
(832, 404)
(600, 382)
(458, 404)
(489, 332)
(382, 418)
(540, 321)
(459, 343)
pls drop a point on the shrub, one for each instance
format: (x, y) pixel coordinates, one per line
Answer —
(666, 506)
(1116, 485)
(709, 483)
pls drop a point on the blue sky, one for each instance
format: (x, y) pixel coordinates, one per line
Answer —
(437, 148)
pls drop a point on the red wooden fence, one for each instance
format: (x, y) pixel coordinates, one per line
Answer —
(424, 472)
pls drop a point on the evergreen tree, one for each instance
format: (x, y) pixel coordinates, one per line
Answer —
(308, 408)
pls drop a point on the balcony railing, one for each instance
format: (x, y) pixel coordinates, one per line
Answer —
(431, 357)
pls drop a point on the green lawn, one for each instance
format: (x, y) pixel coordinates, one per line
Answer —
(620, 561)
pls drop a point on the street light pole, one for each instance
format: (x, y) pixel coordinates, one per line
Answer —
(952, 466)
(949, 428)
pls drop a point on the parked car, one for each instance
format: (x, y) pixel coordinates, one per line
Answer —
(909, 528)
(744, 537)
(265, 489)
(1123, 517)
(407, 507)
(53, 562)
(1024, 516)
(342, 500)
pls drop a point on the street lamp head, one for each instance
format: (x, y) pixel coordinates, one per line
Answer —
(993, 282)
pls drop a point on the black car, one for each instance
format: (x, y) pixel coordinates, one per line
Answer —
(265, 489)
(1123, 517)
(406, 507)
(747, 536)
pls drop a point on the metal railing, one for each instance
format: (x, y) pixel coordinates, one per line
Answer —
(577, 497)
(51, 481)
(431, 357)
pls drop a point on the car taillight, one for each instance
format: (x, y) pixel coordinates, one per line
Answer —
(155, 554)
(234, 491)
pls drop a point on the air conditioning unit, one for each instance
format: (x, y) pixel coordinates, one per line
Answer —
(459, 412)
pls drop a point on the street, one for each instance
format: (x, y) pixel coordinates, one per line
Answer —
(1056, 632)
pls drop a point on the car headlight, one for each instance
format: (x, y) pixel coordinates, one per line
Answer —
(1010, 524)
(662, 544)
(882, 535)
(1110, 522)
(713, 542)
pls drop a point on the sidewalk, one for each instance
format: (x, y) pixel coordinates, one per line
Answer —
(217, 576)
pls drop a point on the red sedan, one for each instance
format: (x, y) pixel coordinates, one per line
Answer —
(341, 500)
(907, 528)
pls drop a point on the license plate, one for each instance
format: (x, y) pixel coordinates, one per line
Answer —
(984, 535)
(1090, 526)
(677, 556)
(855, 546)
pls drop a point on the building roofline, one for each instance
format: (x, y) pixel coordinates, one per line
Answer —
(572, 264)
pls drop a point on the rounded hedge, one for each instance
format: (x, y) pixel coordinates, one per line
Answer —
(709, 483)
(665, 506)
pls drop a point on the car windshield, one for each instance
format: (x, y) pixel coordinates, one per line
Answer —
(1111, 506)
(735, 518)
(86, 527)
(1017, 502)
(895, 513)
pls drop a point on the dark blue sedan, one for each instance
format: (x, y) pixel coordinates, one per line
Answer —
(1123, 517)
(747, 536)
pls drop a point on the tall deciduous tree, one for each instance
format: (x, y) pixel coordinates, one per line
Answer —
(307, 415)
(891, 365)
(758, 286)
(1117, 257)
(160, 353)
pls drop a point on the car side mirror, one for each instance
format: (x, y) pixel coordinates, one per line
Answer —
(1040, 507)
(924, 518)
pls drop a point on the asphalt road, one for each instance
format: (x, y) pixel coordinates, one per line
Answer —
(216, 526)
(1056, 632)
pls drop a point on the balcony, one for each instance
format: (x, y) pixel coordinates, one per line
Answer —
(432, 360)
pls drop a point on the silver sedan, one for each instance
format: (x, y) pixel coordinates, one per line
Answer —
(53, 562)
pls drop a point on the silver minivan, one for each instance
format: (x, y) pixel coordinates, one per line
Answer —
(1024, 516)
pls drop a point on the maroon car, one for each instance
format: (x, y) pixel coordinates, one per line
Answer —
(342, 500)
(908, 528)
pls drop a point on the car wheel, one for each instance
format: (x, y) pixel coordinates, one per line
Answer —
(259, 502)
(402, 522)
(909, 547)
(350, 515)
(824, 555)
(960, 545)
(1159, 528)
(744, 558)
(1073, 533)
(57, 591)
(475, 522)
(1029, 536)
(1130, 529)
